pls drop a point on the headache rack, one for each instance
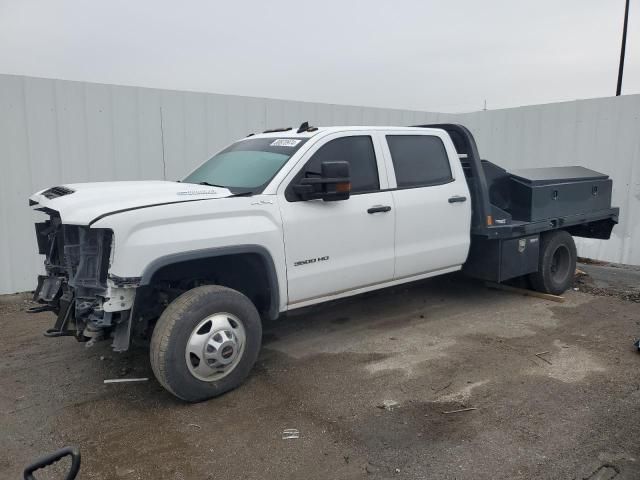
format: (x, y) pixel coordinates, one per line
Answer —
(510, 210)
(511, 204)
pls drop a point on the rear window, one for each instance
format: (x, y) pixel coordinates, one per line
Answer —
(419, 160)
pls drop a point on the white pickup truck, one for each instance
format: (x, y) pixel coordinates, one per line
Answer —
(290, 218)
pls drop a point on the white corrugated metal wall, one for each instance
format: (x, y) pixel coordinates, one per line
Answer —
(602, 134)
(55, 131)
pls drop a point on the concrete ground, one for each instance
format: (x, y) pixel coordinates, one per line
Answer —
(572, 412)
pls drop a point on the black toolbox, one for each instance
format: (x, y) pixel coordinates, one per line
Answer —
(542, 193)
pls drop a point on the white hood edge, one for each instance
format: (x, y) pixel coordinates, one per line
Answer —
(89, 201)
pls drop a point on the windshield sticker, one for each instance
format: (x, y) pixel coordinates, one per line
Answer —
(285, 142)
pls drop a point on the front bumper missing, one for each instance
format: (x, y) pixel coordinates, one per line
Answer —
(88, 305)
(114, 317)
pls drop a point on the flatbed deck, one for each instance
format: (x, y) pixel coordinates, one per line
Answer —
(518, 228)
(512, 210)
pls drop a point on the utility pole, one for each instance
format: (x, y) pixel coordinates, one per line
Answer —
(622, 48)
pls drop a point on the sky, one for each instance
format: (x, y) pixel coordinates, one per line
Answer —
(430, 55)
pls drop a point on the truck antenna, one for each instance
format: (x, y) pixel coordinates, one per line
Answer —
(304, 127)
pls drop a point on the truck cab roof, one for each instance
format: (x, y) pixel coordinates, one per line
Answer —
(313, 131)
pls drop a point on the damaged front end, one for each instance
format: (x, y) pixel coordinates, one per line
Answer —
(76, 286)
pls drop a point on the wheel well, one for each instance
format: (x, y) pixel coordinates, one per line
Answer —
(249, 273)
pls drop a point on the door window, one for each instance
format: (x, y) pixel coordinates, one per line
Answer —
(419, 160)
(358, 151)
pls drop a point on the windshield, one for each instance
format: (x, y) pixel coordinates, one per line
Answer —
(247, 165)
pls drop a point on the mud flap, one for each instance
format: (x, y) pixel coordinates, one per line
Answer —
(122, 333)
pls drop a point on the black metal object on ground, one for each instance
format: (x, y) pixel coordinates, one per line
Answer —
(54, 457)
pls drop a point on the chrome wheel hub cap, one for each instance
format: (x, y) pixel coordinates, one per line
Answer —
(215, 347)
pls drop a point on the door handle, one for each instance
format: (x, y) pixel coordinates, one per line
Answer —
(379, 208)
(457, 198)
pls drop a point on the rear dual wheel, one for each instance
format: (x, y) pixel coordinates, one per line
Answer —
(205, 342)
(556, 264)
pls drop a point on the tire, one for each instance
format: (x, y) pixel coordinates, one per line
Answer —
(557, 263)
(208, 330)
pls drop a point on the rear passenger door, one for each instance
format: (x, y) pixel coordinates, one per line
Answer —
(335, 247)
(433, 207)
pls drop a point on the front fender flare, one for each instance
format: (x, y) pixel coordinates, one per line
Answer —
(272, 276)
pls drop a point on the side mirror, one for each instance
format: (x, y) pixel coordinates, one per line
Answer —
(333, 184)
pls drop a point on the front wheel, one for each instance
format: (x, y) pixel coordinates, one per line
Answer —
(557, 263)
(205, 342)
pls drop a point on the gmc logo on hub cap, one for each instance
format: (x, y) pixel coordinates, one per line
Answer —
(227, 352)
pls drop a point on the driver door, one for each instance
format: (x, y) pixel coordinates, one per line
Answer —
(333, 247)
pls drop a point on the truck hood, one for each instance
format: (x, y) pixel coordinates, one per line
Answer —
(83, 203)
